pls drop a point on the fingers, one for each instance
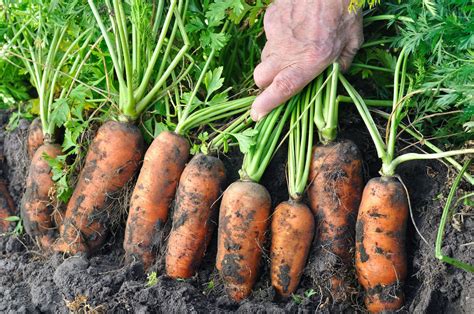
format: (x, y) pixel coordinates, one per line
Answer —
(355, 42)
(265, 72)
(285, 84)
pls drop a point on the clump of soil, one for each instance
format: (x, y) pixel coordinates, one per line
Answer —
(33, 283)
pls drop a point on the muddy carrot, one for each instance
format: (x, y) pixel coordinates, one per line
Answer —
(36, 207)
(113, 157)
(196, 204)
(156, 186)
(380, 244)
(334, 192)
(381, 223)
(196, 200)
(292, 221)
(35, 137)
(7, 207)
(243, 220)
(154, 191)
(244, 211)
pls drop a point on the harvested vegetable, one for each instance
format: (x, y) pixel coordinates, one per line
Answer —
(245, 209)
(36, 208)
(35, 137)
(381, 223)
(200, 186)
(334, 192)
(116, 151)
(292, 221)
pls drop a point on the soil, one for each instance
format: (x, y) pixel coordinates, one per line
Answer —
(33, 283)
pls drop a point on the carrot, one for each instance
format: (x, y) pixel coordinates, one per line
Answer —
(292, 232)
(245, 209)
(113, 157)
(153, 193)
(292, 221)
(380, 244)
(36, 209)
(334, 194)
(35, 137)
(199, 188)
(381, 222)
(243, 219)
(7, 207)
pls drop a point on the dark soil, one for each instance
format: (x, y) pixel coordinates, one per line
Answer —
(33, 283)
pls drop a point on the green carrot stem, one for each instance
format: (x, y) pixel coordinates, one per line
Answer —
(366, 117)
(111, 49)
(329, 132)
(236, 126)
(257, 159)
(371, 67)
(386, 17)
(397, 106)
(442, 226)
(368, 102)
(214, 112)
(389, 169)
(140, 91)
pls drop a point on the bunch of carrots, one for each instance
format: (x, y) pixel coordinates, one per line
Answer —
(343, 217)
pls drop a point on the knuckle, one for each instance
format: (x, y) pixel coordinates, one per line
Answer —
(320, 52)
(285, 85)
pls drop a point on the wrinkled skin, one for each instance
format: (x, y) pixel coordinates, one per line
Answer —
(303, 38)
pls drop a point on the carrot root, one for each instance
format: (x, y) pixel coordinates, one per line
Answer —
(292, 233)
(35, 137)
(380, 244)
(334, 193)
(243, 220)
(113, 157)
(36, 208)
(196, 203)
(153, 193)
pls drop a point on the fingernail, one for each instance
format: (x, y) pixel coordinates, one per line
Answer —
(254, 115)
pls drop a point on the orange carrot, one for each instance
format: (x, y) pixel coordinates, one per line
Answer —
(243, 219)
(36, 209)
(380, 244)
(7, 207)
(154, 191)
(199, 188)
(292, 232)
(35, 137)
(334, 193)
(113, 157)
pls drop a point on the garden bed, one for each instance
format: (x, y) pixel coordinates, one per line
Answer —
(32, 282)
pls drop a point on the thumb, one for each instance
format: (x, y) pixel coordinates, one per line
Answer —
(285, 84)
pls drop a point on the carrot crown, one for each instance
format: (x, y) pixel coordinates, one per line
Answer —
(326, 116)
(145, 50)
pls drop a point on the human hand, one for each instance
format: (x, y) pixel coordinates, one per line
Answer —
(303, 38)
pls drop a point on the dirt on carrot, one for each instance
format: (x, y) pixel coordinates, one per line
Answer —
(36, 207)
(381, 260)
(154, 191)
(334, 193)
(194, 216)
(35, 137)
(113, 158)
(292, 233)
(243, 219)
